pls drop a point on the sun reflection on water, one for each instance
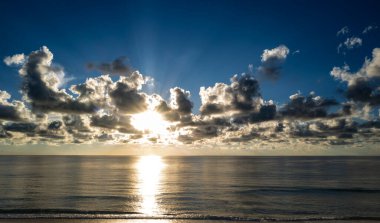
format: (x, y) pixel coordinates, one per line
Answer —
(149, 170)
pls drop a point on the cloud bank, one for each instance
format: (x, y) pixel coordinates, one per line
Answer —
(103, 109)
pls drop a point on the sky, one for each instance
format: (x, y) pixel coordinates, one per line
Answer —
(246, 75)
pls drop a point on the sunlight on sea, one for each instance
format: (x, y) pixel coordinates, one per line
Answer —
(149, 174)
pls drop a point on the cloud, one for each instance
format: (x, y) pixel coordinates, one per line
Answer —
(12, 111)
(343, 31)
(180, 100)
(349, 44)
(229, 107)
(16, 59)
(117, 122)
(178, 110)
(126, 96)
(272, 61)
(369, 29)
(41, 82)
(363, 85)
(101, 109)
(21, 127)
(242, 95)
(296, 52)
(95, 90)
(55, 125)
(117, 67)
(311, 106)
(353, 42)
(4, 134)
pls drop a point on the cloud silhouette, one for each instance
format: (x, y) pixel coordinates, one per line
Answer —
(116, 67)
(363, 85)
(101, 108)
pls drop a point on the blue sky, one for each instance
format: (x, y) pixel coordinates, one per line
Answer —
(191, 43)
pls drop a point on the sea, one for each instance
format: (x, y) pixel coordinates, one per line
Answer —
(189, 189)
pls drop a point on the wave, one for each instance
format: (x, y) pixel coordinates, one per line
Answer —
(309, 190)
(80, 214)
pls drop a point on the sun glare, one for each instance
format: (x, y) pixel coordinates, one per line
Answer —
(149, 174)
(150, 121)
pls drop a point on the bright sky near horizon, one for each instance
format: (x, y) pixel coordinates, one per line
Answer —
(239, 74)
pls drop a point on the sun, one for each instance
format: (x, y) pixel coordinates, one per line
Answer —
(151, 122)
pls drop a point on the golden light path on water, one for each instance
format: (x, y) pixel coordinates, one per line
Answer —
(149, 170)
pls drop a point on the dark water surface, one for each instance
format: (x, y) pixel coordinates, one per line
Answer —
(214, 188)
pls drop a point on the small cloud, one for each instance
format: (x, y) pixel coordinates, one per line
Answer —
(296, 52)
(353, 42)
(369, 29)
(17, 59)
(343, 31)
(116, 67)
(250, 68)
(349, 44)
(272, 61)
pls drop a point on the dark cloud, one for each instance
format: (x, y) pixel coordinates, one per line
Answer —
(167, 112)
(180, 100)
(9, 113)
(364, 85)
(242, 95)
(179, 109)
(125, 94)
(205, 131)
(41, 82)
(12, 111)
(55, 125)
(364, 90)
(76, 122)
(209, 109)
(4, 134)
(45, 134)
(121, 123)
(267, 112)
(272, 61)
(310, 106)
(245, 89)
(117, 66)
(279, 127)
(20, 127)
(244, 137)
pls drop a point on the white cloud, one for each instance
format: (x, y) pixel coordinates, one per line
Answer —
(296, 52)
(370, 69)
(343, 31)
(350, 43)
(16, 59)
(362, 86)
(353, 42)
(369, 29)
(279, 53)
(272, 61)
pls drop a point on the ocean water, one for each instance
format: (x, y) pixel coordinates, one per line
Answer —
(191, 188)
